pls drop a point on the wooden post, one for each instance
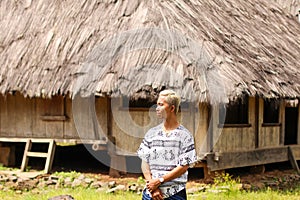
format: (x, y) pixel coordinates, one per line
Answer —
(293, 160)
(298, 128)
(116, 161)
(257, 124)
(282, 121)
(25, 158)
(50, 156)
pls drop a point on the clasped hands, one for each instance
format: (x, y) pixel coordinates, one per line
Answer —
(152, 186)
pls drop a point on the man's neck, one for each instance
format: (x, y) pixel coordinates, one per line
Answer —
(171, 123)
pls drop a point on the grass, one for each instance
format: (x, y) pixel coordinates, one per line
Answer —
(224, 188)
(78, 194)
(92, 194)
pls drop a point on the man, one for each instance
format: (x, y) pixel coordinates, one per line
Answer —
(167, 151)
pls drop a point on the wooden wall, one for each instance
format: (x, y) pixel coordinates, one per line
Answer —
(46, 118)
(244, 138)
(54, 118)
(201, 131)
(235, 138)
(269, 135)
(130, 126)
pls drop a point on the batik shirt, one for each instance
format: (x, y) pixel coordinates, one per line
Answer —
(163, 152)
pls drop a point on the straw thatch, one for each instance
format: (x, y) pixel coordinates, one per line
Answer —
(291, 6)
(208, 50)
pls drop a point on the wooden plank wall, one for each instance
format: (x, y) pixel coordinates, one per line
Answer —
(130, 126)
(235, 138)
(201, 136)
(31, 118)
(269, 135)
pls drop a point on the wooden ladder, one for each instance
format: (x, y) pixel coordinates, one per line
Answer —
(48, 155)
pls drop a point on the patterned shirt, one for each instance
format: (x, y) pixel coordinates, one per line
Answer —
(163, 152)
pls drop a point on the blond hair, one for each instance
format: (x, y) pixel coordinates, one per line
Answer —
(172, 98)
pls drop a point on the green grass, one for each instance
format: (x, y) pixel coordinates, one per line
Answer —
(78, 194)
(231, 191)
(92, 194)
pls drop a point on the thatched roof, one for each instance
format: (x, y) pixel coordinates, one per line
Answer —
(205, 49)
(291, 6)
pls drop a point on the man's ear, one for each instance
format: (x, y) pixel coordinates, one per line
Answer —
(173, 108)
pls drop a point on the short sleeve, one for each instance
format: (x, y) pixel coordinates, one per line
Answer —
(144, 151)
(187, 153)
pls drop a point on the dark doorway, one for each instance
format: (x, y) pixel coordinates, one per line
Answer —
(291, 125)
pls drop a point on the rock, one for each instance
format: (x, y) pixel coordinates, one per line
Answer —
(140, 190)
(111, 184)
(117, 188)
(68, 182)
(24, 179)
(104, 184)
(76, 183)
(132, 188)
(88, 180)
(18, 192)
(3, 178)
(41, 184)
(98, 184)
(11, 185)
(81, 177)
(62, 197)
(51, 182)
(13, 178)
(54, 179)
(247, 186)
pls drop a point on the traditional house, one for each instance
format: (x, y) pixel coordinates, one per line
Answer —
(89, 72)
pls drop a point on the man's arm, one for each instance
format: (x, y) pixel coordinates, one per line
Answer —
(152, 184)
(175, 173)
(156, 193)
(146, 170)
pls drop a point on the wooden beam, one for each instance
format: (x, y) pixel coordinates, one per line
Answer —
(37, 154)
(25, 158)
(228, 160)
(53, 117)
(282, 121)
(57, 140)
(256, 123)
(293, 160)
(50, 156)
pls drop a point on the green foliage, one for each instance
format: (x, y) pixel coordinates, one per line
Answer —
(3, 168)
(72, 174)
(141, 181)
(222, 179)
(92, 194)
(78, 194)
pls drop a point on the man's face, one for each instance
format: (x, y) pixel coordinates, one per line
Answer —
(163, 109)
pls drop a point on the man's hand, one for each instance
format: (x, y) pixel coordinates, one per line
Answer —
(157, 195)
(152, 185)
